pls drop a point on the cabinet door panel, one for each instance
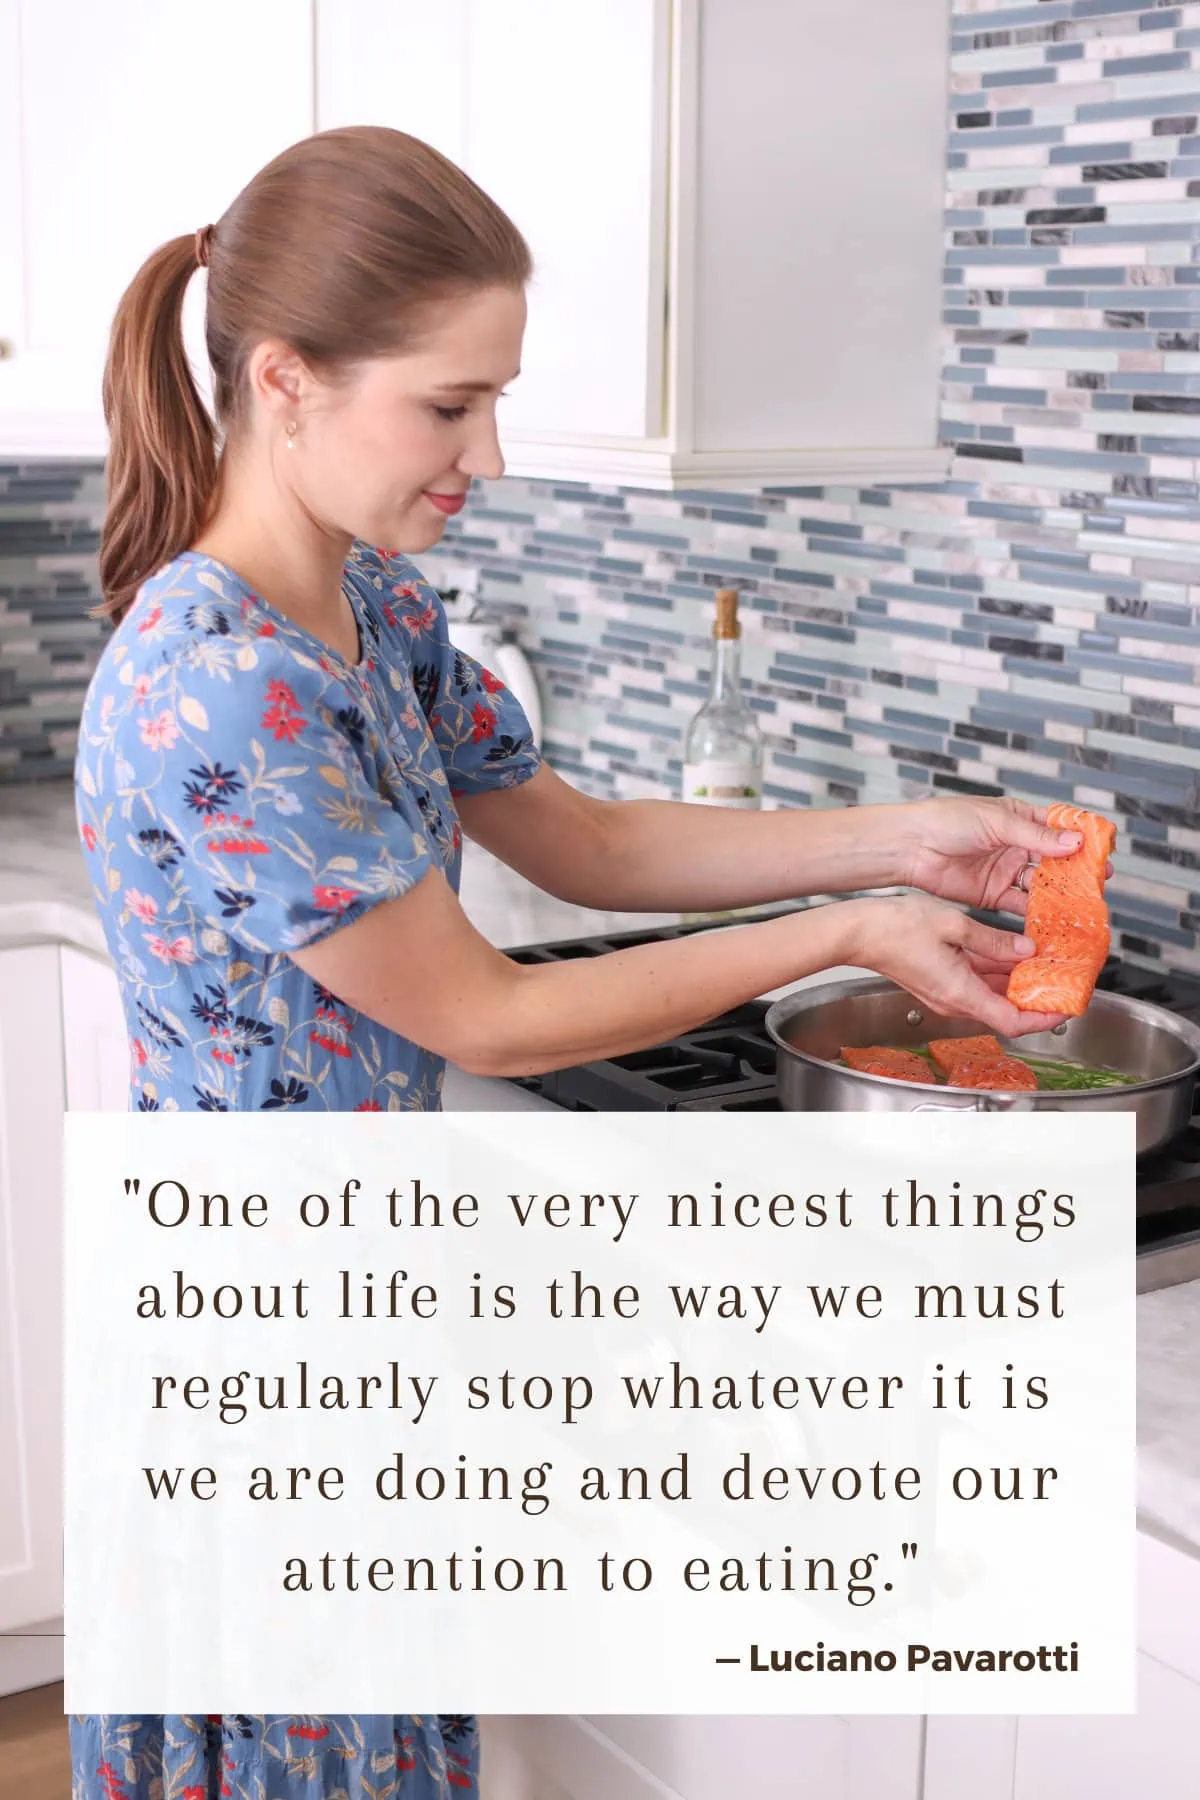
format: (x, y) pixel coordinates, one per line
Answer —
(138, 122)
(566, 128)
(95, 1043)
(560, 113)
(1152, 1752)
(819, 219)
(31, 1103)
(401, 63)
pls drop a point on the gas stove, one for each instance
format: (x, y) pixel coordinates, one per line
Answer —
(729, 1066)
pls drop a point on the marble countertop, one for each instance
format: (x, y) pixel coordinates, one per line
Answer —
(45, 896)
(1168, 1414)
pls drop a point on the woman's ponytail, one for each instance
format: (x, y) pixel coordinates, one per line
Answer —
(162, 459)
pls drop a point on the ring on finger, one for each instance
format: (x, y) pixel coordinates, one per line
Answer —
(1022, 878)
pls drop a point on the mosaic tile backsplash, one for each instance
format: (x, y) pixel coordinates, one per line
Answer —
(1030, 627)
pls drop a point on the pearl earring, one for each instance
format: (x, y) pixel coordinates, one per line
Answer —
(291, 434)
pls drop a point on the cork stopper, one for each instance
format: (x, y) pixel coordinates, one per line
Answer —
(726, 625)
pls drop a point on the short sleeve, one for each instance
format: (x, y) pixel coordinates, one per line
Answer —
(276, 815)
(480, 728)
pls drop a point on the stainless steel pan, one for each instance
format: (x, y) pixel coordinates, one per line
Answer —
(810, 1027)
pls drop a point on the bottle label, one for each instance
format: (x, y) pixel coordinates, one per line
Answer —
(722, 784)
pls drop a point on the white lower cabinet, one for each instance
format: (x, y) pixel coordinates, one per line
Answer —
(1153, 1753)
(62, 1046)
(693, 1757)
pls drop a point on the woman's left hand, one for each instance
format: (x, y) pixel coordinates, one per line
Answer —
(973, 851)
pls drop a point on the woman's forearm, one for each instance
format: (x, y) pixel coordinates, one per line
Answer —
(567, 1013)
(458, 996)
(665, 857)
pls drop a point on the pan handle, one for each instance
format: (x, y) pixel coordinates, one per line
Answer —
(1019, 1102)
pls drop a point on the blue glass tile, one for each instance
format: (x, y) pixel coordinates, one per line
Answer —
(1091, 153)
(1161, 64)
(1001, 396)
(1033, 77)
(1095, 112)
(1010, 18)
(830, 528)
(999, 140)
(1095, 9)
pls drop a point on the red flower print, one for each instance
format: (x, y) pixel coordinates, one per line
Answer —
(172, 950)
(333, 899)
(313, 1732)
(484, 720)
(422, 621)
(368, 1106)
(389, 613)
(335, 1046)
(151, 619)
(236, 846)
(111, 1782)
(89, 837)
(283, 717)
(264, 628)
(492, 683)
(198, 1793)
(138, 1052)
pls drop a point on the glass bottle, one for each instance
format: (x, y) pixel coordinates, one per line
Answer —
(723, 747)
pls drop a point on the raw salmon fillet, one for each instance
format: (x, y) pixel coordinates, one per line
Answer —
(898, 1065)
(980, 1062)
(1067, 918)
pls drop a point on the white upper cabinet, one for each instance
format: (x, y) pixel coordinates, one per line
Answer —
(560, 113)
(121, 125)
(735, 212)
(734, 206)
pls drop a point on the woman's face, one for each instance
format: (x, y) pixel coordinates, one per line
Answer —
(388, 453)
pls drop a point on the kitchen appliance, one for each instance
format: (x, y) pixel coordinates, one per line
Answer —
(482, 634)
(732, 1065)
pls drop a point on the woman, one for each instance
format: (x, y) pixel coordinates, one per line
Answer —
(280, 751)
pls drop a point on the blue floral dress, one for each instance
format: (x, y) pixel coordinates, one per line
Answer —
(242, 790)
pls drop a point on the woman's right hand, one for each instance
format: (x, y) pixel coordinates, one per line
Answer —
(946, 960)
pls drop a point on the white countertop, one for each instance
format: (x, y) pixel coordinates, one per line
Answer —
(45, 897)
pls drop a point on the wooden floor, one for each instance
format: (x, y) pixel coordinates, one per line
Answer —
(35, 1761)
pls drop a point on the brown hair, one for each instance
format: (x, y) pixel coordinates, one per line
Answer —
(337, 247)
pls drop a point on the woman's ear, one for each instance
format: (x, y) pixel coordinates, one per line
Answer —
(279, 379)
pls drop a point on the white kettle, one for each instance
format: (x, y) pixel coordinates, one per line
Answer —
(479, 634)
